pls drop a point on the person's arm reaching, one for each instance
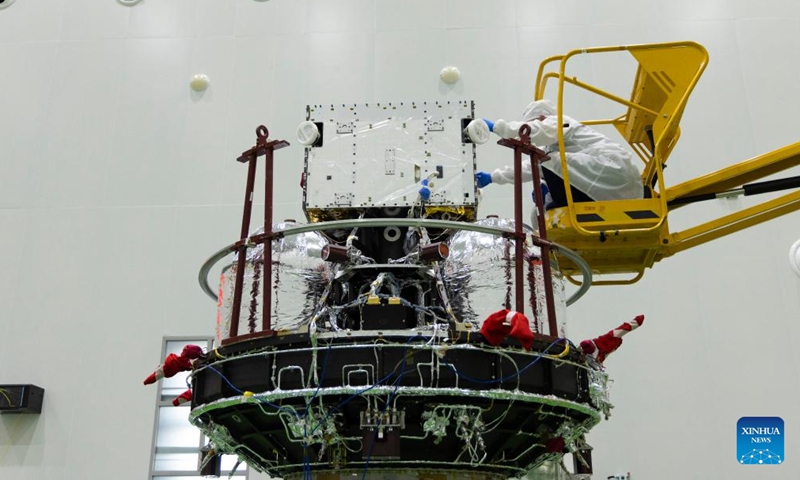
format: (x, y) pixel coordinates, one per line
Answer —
(505, 175)
(543, 132)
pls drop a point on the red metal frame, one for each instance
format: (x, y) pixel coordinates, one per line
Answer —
(267, 148)
(523, 145)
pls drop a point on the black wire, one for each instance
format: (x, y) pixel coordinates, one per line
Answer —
(509, 377)
(380, 418)
(402, 364)
(376, 384)
(322, 376)
(306, 461)
(240, 392)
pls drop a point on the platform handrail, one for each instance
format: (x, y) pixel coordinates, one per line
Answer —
(662, 145)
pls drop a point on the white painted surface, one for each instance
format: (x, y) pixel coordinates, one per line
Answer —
(116, 182)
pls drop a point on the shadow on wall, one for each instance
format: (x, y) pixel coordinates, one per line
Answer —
(21, 439)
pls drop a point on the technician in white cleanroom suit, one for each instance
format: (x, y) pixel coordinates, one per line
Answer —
(599, 169)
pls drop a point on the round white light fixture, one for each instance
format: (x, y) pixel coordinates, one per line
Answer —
(794, 257)
(129, 2)
(449, 75)
(5, 3)
(307, 133)
(200, 82)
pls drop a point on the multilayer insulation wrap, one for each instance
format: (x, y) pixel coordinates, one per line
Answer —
(299, 276)
(479, 274)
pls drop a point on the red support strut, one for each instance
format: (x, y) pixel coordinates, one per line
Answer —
(264, 147)
(523, 145)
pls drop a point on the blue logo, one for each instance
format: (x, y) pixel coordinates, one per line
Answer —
(759, 441)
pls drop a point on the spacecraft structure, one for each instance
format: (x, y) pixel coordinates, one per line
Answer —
(393, 333)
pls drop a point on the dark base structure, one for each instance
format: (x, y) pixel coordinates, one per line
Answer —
(400, 400)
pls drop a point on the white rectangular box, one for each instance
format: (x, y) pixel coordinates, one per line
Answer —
(376, 155)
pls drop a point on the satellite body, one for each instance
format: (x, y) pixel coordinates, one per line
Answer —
(372, 361)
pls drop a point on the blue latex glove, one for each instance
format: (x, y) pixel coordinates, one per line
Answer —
(483, 179)
(544, 190)
(490, 124)
(425, 191)
(546, 198)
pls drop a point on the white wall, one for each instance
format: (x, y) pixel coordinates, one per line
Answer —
(116, 182)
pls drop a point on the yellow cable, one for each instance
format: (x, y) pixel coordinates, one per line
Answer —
(5, 395)
(566, 350)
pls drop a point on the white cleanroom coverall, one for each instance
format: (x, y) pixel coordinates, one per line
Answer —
(599, 167)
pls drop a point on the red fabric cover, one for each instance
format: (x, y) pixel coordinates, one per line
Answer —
(521, 330)
(494, 327)
(606, 344)
(502, 323)
(175, 363)
(183, 398)
(172, 365)
(152, 378)
(192, 352)
(601, 347)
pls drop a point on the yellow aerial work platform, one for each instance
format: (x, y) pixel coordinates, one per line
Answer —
(628, 236)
